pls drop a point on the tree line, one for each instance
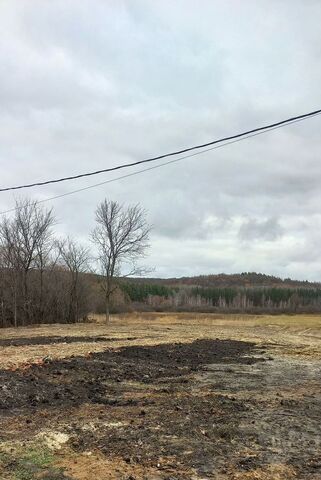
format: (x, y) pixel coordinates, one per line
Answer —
(42, 276)
(50, 279)
(260, 299)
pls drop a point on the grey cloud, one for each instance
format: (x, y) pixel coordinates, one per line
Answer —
(89, 84)
(253, 229)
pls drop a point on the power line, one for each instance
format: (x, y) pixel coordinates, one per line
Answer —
(159, 157)
(153, 167)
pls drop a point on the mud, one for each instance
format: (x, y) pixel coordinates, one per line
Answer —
(89, 379)
(284, 410)
(208, 409)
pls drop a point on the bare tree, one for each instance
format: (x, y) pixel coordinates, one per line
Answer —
(121, 237)
(76, 259)
(22, 238)
(9, 266)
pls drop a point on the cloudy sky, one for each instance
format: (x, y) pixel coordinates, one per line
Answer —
(85, 85)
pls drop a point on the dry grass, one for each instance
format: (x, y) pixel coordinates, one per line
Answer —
(296, 334)
(271, 472)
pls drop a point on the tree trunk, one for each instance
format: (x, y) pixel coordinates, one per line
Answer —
(107, 314)
(25, 319)
(2, 313)
(41, 306)
(15, 307)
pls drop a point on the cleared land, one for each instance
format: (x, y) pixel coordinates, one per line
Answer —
(155, 396)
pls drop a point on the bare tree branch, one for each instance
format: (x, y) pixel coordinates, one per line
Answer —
(122, 237)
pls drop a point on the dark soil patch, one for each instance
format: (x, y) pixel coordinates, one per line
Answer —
(141, 402)
(24, 341)
(206, 406)
(193, 355)
(76, 380)
(194, 429)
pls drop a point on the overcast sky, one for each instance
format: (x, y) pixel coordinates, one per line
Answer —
(85, 85)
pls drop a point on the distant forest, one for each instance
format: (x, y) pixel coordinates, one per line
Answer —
(245, 292)
(50, 279)
(65, 301)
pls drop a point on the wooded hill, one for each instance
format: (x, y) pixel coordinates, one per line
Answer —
(54, 297)
(245, 292)
(45, 278)
(245, 279)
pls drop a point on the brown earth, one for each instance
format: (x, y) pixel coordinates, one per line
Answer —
(165, 397)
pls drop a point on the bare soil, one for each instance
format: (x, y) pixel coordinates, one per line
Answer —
(168, 397)
(25, 341)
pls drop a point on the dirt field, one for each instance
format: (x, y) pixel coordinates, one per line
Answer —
(156, 396)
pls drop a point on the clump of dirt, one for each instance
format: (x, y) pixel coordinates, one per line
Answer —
(53, 440)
